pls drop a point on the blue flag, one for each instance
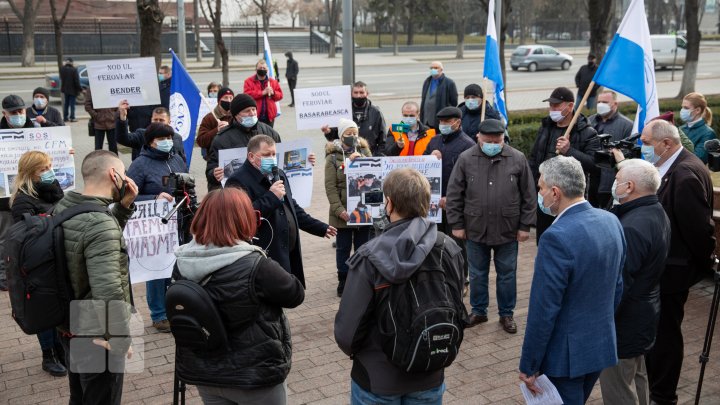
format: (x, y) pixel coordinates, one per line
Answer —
(628, 64)
(491, 69)
(185, 99)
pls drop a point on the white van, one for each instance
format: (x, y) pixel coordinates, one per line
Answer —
(664, 48)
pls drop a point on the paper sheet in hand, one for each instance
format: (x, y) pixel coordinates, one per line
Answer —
(549, 396)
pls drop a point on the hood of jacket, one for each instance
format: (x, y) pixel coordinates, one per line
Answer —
(335, 147)
(196, 261)
(399, 251)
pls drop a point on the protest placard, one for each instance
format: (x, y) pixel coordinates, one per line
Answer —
(150, 243)
(365, 176)
(231, 160)
(55, 141)
(134, 80)
(292, 159)
(315, 107)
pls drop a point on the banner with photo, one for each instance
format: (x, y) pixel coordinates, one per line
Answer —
(231, 160)
(292, 159)
(134, 80)
(150, 243)
(365, 176)
(55, 141)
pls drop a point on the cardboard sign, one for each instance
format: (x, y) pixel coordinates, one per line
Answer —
(134, 80)
(320, 106)
(150, 243)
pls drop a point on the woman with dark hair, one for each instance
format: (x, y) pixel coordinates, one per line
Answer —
(156, 161)
(35, 191)
(250, 291)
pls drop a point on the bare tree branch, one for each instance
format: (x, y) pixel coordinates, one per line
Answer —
(15, 10)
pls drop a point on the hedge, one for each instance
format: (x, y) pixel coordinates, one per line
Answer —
(524, 125)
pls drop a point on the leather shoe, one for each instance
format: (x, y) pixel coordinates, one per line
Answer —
(508, 324)
(474, 320)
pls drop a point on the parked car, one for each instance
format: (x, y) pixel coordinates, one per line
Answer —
(534, 57)
(52, 83)
(664, 50)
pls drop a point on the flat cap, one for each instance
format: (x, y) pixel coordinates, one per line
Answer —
(13, 103)
(492, 127)
(449, 112)
(560, 95)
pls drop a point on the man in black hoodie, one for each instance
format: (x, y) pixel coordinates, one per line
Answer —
(291, 73)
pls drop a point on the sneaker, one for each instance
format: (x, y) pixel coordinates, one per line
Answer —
(508, 324)
(162, 326)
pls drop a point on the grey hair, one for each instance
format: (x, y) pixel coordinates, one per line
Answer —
(662, 129)
(565, 173)
(641, 172)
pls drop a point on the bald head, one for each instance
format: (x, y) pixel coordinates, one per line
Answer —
(660, 130)
(98, 164)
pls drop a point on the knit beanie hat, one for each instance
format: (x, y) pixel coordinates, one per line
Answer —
(241, 102)
(344, 124)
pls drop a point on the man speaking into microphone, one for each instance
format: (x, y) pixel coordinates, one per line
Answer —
(268, 188)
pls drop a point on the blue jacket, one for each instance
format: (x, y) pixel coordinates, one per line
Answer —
(451, 146)
(698, 134)
(575, 290)
(148, 170)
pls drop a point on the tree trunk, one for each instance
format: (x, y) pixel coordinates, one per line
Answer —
(151, 18)
(693, 48)
(58, 23)
(196, 26)
(396, 48)
(600, 17)
(460, 49)
(28, 52)
(331, 7)
(223, 52)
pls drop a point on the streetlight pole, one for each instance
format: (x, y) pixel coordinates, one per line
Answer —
(182, 52)
(348, 49)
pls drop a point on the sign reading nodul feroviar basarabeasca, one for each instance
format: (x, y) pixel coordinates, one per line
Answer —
(134, 80)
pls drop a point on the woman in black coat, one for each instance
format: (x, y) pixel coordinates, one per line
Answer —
(36, 192)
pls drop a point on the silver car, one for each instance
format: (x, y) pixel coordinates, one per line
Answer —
(535, 57)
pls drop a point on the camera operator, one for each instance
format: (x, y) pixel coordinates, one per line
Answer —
(647, 234)
(157, 161)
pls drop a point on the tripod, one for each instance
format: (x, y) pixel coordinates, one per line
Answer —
(705, 355)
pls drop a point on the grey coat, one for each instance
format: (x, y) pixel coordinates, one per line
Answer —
(620, 127)
(491, 198)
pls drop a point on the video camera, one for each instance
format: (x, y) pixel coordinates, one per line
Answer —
(713, 150)
(628, 146)
(180, 183)
(183, 189)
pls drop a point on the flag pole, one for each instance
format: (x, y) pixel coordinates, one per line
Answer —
(578, 110)
(485, 89)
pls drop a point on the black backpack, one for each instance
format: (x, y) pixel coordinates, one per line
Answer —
(37, 272)
(421, 321)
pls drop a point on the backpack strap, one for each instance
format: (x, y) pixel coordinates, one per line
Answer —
(77, 210)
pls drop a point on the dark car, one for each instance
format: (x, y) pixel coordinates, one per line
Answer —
(52, 83)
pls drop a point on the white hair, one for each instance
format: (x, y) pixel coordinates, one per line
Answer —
(662, 129)
(565, 173)
(645, 176)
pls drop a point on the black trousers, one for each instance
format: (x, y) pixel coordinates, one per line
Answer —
(291, 84)
(103, 388)
(445, 228)
(664, 361)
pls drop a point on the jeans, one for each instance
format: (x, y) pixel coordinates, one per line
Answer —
(69, 107)
(505, 258)
(433, 396)
(48, 339)
(590, 103)
(575, 391)
(92, 388)
(100, 139)
(155, 296)
(345, 238)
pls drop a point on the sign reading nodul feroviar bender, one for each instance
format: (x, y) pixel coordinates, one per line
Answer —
(134, 80)
(315, 107)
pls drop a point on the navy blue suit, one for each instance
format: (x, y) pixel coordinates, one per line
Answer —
(577, 285)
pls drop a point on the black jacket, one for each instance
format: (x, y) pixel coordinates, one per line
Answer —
(371, 126)
(451, 146)
(292, 69)
(140, 116)
(277, 240)
(471, 118)
(136, 139)
(250, 300)
(233, 136)
(583, 144)
(583, 78)
(70, 80)
(53, 117)
(48, 195)
(446, 96)
(165, 93)
(647, 233)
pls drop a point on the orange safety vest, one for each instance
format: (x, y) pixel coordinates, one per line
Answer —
(356, 218)
(420, 144)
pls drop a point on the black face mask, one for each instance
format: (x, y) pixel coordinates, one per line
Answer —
(122, 189)
(261, 72)
(225, 105)
(349, 141)
(359, 101)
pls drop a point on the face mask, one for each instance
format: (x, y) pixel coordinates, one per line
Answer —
(39, 103)
(433, 72)
(212, 95)
(121, 190)
(225, 105)
(249, 122)
(361, 210)
(685, 115)
(410, 121)
(161, 76)
(386, 213)
(648, 153)
(472, 103)
(165, 145)
(491, 149)
(266, 164)
(545, 210)
(359, 101)
(445, 129)
(349, 141)
(261, 72)
(47, 177)
(17, 121)
(613, 190)
(603, 109)
(556, 116)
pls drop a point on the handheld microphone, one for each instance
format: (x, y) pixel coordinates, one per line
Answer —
(276, 177)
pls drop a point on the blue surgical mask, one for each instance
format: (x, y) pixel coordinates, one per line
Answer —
(491, 149)
(685, 115)
(249, 122)
(613, 190)
(39, 103)
(410, 121)
(361, 210)
(164, 145)
(433, 72)
(17, 121)
(266, 164)
(445, 129)
(472, 103)
(648, 153)
(47, 177)
(161, 76)
(212, 95)
(543, 208)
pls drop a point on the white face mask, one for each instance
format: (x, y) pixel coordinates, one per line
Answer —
(603, 109)
(556, 116)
